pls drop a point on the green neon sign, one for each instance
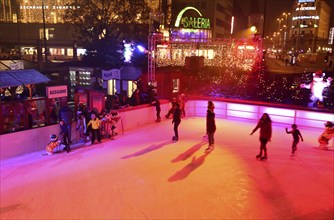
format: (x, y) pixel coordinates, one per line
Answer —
(191, 22)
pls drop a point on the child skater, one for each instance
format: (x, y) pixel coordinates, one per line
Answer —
(327, 135)
(54, 142)
(156, 103)
(295, 134)
(210, 125)
(81, 127)
(96, 124)
(265, 134)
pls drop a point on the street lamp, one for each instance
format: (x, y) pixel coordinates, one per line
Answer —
(253, 30)
(285, 28)
(300, 6)
(279, 30)
(44, 33)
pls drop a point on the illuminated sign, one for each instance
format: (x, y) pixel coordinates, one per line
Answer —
(305, 17)
(32, 7)
(192, 22)
(302, 1)
(306, 9)
(56, 91)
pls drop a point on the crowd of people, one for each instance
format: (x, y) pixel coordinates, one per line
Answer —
(91, 126)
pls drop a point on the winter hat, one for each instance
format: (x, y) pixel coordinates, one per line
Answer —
(329, 124)
(53, 137)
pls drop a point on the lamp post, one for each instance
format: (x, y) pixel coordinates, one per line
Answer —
(285, 29)
(279, 31)
(44, 33)
(300, 5)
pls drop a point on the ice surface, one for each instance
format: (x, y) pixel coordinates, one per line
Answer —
(144, 175)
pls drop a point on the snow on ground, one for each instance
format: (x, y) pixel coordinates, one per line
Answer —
(144, 175)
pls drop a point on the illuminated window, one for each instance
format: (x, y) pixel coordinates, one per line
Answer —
(176, 85)
(70, 52)
(131, 88)
(112, 87)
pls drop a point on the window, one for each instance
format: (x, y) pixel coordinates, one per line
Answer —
(49, 32)
(176, 85)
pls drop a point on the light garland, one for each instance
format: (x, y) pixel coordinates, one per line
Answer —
(226, 54)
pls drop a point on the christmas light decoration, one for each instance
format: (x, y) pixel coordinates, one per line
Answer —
(238, 54)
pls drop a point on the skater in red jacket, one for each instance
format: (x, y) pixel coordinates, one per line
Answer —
(265, 134)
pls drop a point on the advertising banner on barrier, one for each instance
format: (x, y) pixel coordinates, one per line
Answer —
(56, 91)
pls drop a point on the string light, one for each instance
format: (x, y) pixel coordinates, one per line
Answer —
(228, 54)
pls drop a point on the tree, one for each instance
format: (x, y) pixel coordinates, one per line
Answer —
(102, 25)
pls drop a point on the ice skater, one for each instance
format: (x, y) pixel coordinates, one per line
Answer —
(114, 117)
(327, 135)
(182, 101)
(156, 103)
(171, 111)
(54, 142)
(81, 127)
(295, 134)
(96, 124)
(176, 121)
(65, 134)
(210, 125)
(265, 134)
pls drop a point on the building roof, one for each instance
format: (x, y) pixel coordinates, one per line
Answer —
(130, 73)
(10, 78)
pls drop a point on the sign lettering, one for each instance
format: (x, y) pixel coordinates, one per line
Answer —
(56, 91)
(192, 22)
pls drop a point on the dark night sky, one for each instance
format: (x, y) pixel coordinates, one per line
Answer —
(274, 9)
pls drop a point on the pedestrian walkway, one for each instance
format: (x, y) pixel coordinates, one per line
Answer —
(279, 66)
(144, 175)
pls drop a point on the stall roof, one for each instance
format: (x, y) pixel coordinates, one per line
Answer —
(130, 73)
(19, 77)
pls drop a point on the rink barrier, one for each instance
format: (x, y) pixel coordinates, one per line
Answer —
(28, 141)
(279, 114)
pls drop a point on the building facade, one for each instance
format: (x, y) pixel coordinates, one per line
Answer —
(23, 29)
(309, 29)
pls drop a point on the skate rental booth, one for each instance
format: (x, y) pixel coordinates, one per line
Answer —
(121, 81)
(90, 98)
(15, 101)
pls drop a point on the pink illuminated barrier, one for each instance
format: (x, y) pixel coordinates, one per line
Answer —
(278, 114)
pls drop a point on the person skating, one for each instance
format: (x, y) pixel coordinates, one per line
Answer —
(176, 121)
(265, 134)
(81, 127)
(172, 109)
(65, 134)
(66, 114)
(156, 103)
(327, 135)
(295, 134)
(182, 101)
(95, 123)
(210, 125)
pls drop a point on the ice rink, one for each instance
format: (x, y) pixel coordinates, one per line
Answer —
(144, 175)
